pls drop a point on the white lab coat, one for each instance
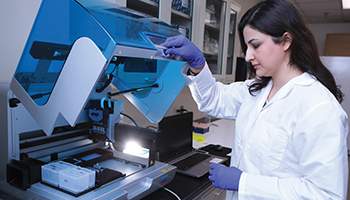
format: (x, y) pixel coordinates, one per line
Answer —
(292, 148)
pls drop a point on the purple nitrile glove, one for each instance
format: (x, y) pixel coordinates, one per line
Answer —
(223, 177)
(183, 47)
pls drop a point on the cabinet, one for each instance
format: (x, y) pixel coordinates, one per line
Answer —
(177, 13)
(217, 36)
(210, 24)
(214, 34)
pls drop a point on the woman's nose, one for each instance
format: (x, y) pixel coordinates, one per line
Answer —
(249, 55)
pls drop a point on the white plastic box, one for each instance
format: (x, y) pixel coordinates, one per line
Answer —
(50, 172)
(74, 180)
(69, 177)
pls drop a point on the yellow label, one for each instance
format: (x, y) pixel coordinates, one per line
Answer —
(165, 170)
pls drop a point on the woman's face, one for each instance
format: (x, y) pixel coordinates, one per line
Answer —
(265, 55)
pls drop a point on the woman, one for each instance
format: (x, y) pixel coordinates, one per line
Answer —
(290, 135)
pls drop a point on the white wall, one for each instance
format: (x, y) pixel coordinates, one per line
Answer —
(320, 32)
(16, 20)
(340, 67)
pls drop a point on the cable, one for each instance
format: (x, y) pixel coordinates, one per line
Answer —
(172, 193)
(129, 118)
(104, 86)
(116, 61)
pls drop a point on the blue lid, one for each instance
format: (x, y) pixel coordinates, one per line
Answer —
(120, 34)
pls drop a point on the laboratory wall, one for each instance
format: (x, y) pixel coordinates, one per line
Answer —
(320, 32)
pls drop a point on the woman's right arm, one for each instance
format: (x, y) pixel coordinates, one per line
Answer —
(215, 98)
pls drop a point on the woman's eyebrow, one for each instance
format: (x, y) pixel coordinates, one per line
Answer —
(251, 40)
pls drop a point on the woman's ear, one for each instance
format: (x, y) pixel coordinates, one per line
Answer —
(287, 41)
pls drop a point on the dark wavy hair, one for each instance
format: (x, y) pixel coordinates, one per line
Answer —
(274, 18)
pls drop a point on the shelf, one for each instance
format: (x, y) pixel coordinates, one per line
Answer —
(144, 6)
(148, 2)
(210, 53)
(180, 14)
(213, 27)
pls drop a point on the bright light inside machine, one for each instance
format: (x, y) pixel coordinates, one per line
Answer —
(135, 149)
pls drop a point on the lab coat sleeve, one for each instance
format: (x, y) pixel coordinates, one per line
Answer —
(319, 142)
(214, 98)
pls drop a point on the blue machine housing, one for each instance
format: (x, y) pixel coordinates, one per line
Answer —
(131, 57)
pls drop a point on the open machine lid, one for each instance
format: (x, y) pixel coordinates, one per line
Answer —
(75, 46)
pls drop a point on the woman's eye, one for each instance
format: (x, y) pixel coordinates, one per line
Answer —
(256, 46)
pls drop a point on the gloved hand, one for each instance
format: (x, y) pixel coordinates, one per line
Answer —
(181, 46)
(223, 177)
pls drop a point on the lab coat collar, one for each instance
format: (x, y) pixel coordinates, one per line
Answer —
(304, 79)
